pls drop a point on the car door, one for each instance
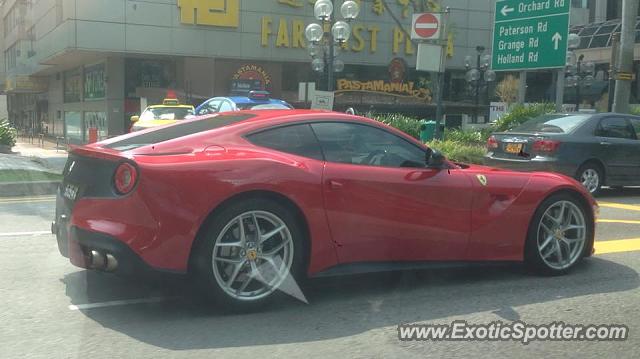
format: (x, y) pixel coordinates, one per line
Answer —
(635, 124)
(383, 204)
(618, 142)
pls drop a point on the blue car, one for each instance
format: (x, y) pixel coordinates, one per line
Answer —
(256, 100)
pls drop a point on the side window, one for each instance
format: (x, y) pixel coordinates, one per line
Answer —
(635, 123)
(225, 106)
(210, 107)
(615, 127)
(366, 145)
(296, 139)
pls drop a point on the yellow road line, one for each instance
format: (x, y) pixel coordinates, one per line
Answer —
(621, 221)
(619, 206)
(625, 245)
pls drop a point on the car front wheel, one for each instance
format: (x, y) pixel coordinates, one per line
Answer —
(249, 251)
(558, 235)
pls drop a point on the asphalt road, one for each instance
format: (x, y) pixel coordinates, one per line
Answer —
(51, 309)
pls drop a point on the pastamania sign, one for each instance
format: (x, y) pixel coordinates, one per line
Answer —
(400, 89)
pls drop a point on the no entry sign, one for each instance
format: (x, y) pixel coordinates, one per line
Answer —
(426, 26)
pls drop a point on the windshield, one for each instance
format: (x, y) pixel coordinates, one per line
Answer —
(266, 106)
(552, 124)
(166, 113)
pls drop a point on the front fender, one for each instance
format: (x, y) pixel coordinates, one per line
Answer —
(503, 209)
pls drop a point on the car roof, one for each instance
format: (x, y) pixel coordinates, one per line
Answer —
(170, 106)
(244, 99)
(198, 130)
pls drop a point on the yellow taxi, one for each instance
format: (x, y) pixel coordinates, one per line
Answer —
(169, 112)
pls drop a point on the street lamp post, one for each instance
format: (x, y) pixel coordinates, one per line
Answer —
(479, 77)
(578, 72)
(323, 44)
(580, 75)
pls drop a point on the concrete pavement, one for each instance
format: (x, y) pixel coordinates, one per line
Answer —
(54, 310)
(47, 155)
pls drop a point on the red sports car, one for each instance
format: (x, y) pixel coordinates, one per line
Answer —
(244, 200)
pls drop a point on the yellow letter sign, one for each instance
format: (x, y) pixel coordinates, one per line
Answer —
(210, 12)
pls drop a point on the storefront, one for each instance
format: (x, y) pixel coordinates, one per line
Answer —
(84, 102)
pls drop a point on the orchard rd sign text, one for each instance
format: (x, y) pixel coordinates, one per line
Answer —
(530, 34)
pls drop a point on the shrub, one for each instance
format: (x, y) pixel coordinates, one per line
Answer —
(520, 114)
(7, 134)
(406, 124)
(635, 110)
(477, 137)
(507, 89)
(460, 152)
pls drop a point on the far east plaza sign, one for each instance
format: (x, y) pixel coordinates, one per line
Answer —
(530, 34)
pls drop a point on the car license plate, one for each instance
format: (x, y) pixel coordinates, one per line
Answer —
(70, 192)
(513, 148)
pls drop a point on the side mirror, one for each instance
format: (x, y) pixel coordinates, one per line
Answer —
(135, 119)
(435, 159)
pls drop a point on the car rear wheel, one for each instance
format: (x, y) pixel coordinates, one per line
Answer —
(558, 235)
(250, 249)
(590, 175)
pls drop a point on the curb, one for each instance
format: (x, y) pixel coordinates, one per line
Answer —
(19, 189)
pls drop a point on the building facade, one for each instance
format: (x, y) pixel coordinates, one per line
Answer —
(69, 65)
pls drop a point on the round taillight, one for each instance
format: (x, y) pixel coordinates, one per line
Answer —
(125, 178)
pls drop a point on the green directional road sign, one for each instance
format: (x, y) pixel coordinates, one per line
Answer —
(530, 34)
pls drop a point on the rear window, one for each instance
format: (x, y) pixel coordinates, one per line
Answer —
(178, 130)
(552, 124)
(166, 113)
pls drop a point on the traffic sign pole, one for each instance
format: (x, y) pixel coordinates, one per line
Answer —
(440, 101)
(522, 88)
(560, 90)
(431, 28)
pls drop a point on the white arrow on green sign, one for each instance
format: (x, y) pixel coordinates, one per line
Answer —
(530, 34)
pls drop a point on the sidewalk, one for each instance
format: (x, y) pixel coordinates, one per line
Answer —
(32, 169)
(46, 155)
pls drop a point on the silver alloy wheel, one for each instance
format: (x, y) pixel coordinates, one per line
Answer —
(590, 180)
(252, 255)
(562, 234)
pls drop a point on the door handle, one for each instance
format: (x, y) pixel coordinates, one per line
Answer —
(335, 184)
(604, 143)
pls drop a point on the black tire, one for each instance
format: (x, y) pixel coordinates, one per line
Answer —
(202, 267)
(533, 257)
(593, 168)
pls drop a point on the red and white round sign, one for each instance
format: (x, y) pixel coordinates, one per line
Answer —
(426, 26)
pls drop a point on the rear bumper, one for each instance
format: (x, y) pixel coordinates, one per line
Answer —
(94, 250)
(101, 252)
(533, 165)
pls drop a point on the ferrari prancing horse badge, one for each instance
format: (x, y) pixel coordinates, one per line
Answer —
(482, 179)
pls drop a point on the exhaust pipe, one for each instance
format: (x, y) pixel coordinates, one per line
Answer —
(106, 262)
(97, 260)
(112, 263)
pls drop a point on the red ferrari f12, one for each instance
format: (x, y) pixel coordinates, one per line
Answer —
(244, 200)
